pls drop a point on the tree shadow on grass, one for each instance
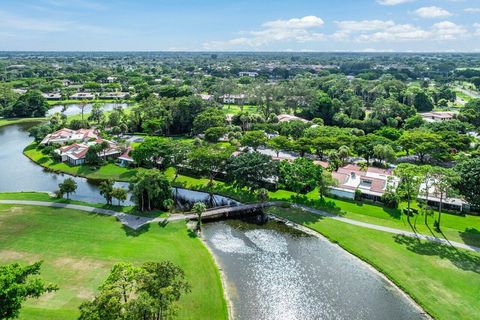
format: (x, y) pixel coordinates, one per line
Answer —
(321, 204)
(128, 174)
(191, 233)
(43, 160)
(129, 232)
(471, 236)
(461, 259)
(393, 212)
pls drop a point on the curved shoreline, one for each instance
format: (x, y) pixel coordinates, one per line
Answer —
(417, 304)
(223, 280)
(384, 276)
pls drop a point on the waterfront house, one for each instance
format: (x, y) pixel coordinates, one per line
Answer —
(82, 96)
(372, 182)
(65, 135)
(74, 154)
(52, 96)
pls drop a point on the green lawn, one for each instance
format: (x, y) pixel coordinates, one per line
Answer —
(70, 101)
(7, 122)
(444, 280)
(78, 250)
(460, 228)
(42, 196)
(236, 109)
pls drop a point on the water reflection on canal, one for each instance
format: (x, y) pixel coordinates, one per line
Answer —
(276, 272)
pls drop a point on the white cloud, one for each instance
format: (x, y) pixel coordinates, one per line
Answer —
(297, 30)
(472, 10)
(295, 23)
(393, 2)
(432, 12)
(389, 31)
(448, 30)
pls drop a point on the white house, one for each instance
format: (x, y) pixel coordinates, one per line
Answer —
(66, 135)
(74, 154)
(248, 74)
(437, 116)
(52, 96)
(233, 99)
(82, 96)
(372, 183)
(289, 117)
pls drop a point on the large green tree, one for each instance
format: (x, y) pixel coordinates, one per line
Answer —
(251, 170)
(209, 161)
(148, 292)
(299, 176)
(150, 188)
(17, 284)
(468, 185)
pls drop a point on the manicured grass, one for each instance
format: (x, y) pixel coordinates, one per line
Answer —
(444, 280)
(78, 250)
(10, 121)
(236, 109)
(458, 228)
(42, 196)
(74, 101)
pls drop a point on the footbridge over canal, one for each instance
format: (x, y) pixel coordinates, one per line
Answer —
(234, 211)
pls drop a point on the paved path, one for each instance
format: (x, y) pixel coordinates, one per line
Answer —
(126, 219)
(388, 229)
(136, 222)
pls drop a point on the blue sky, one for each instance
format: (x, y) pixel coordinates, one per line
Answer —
(240, 25)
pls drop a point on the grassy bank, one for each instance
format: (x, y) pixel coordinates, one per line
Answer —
(10, 121)
(460, 228)
(444, 280)
(79, 249)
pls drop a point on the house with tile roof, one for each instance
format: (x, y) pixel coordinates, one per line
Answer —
(74, 154)
(65, 135)
(372, 182)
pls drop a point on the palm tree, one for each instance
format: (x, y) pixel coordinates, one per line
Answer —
(199, 208)
(169, 205)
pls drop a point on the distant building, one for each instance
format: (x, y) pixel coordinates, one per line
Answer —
(20, 91)
(206, 97)
(449, 203)
(233, 99)
(289, 117)
(126, 159)
(372, 183)
(437, 116)
(248, 74)
(52, 96)
(82, 96)
(67, 83)
(114, 95)
(111, 79)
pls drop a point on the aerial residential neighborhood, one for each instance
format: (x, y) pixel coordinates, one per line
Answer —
(270, 160)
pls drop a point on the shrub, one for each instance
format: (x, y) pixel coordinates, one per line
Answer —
(390, 199)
